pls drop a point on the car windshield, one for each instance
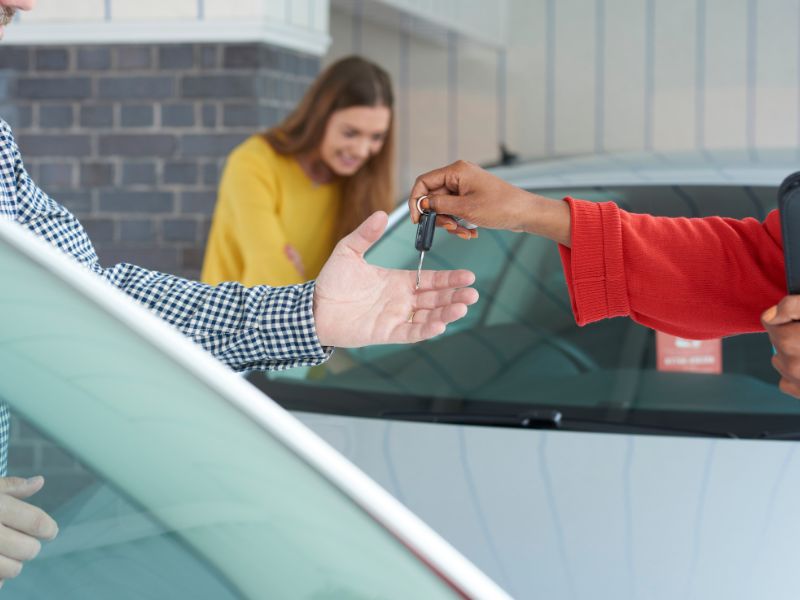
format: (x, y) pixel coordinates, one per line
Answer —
(518, 358)
(163, 486)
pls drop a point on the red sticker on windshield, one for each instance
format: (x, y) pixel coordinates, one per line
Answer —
(694, 356)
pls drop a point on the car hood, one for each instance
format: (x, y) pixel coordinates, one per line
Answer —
(555, 514)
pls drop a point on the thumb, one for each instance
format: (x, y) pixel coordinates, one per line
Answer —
(786, 311)
(19, 487)
(367, 233)
(445, 204)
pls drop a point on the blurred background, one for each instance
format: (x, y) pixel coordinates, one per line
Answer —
(125, 110)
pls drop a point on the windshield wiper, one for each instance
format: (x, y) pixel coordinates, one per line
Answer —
(530, 419)
(779, 435)
(548, 419)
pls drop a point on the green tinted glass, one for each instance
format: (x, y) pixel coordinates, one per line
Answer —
(520, 343)
(181, 494)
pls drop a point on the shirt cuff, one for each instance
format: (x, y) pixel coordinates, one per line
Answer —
(594, 264)
(289, 328)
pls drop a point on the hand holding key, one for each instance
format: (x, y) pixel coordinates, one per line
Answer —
(465, 190)
(358, 304)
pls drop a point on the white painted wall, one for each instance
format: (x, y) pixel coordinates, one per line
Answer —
(586, 76)
(599, 75)
(446, 86)
(297, 24)
(482, 20)
(302, 13)
(582, 76)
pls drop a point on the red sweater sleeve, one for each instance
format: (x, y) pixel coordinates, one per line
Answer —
(695, 278)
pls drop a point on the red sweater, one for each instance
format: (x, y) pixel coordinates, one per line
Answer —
(695, 278)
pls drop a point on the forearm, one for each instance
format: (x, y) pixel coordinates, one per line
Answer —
(696, 278)
(542, 216)
(259, 328)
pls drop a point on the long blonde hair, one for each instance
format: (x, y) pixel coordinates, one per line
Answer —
(351, 81)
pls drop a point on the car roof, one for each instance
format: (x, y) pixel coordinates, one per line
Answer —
(707, 167)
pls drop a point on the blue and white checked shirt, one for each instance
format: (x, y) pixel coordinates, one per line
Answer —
(259, 328)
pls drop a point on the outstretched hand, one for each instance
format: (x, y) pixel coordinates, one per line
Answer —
(358, 304)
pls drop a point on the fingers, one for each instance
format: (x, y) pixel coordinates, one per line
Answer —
(18, 546)
(787, 310)
(440, 280)
(439, 180)
(427, 324)
(442, 315)
(789, 369)
(366, 234)
(26, 518)
(294, 257)
(450, 225)
(411, 333)
(782, 323)
(424, 185)
(787, 387)
(443, 204)
(9, 568)
(19, 487)
(436, 298)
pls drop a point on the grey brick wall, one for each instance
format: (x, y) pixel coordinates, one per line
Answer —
(132, 139)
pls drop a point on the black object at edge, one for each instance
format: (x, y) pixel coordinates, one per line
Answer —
(789, 207)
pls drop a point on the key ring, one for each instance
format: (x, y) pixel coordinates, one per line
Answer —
(419, 208)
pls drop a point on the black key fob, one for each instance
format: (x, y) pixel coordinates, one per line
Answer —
(789, 207)
(425, 229)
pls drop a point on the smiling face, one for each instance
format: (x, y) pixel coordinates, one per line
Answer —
(9, 7)
(352, 136)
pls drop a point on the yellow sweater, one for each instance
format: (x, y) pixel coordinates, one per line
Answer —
(265, 202)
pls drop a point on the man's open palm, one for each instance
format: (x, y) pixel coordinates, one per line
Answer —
(358, 304)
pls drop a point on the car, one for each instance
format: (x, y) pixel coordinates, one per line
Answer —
(172, 477)
(608, 461)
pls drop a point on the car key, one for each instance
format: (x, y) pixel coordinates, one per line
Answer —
(424, 240)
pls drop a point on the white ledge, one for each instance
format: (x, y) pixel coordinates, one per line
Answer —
(217, 31)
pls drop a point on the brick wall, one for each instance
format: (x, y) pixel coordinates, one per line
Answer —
(132, 140)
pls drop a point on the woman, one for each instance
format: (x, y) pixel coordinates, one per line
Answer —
(289, 194)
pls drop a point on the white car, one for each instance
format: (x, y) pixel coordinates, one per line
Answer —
(575, 463)
(172, 477)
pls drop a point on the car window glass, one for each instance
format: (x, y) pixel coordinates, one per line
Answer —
(161, 486)
(520, 344)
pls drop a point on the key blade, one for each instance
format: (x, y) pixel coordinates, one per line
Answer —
(419, 267)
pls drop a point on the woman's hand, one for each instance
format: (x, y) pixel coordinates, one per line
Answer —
(22, 525)
(294, 256)
(464, 190)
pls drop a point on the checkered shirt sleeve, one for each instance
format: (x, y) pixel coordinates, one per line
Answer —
(259, 328)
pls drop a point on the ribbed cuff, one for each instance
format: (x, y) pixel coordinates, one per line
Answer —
(594, 265)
